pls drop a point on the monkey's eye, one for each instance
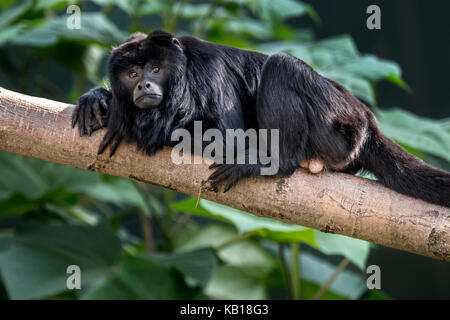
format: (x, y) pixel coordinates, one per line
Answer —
(155, 69)
(132, 74)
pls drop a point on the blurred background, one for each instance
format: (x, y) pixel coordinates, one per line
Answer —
(136, 241)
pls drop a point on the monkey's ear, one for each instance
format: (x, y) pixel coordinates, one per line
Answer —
(176, 42)
(137, 36)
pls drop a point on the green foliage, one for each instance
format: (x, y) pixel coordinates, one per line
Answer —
(95, 28)
(138, 278)
(250, 225)
(417, 134)
(247, 223)
(53, 216)
(199, 265)
(34, 263)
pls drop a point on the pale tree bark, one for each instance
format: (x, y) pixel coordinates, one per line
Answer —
(330, 202)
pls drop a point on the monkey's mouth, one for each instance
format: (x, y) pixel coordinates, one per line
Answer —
(149, 96)
(149, 100)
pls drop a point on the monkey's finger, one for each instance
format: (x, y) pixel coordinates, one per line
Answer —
(75, 116)
(231, 184)
(105, 142)
(215, 165)
(87, 119)
(221, 173)
(97, 113)
(207, 185)
(81, 122)
(114, 146)
(210, 184)
(104, 104)
(212, 181)
(96, 126)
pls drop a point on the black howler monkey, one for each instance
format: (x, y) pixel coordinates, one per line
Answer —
(160, 83)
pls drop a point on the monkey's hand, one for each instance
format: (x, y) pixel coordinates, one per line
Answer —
(92, 110)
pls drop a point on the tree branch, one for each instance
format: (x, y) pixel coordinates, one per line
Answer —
(330, 202)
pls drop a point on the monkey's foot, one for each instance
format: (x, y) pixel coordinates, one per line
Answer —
(314, 165)
(228, 173)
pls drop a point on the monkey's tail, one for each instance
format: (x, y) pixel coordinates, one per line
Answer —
(399, 170)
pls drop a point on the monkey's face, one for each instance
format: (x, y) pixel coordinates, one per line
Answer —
(144, 70)
(147, 84)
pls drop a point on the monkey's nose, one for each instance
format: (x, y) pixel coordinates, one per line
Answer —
(147, 85)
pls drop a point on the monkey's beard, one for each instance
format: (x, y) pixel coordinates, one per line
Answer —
(153, 127)
(146, 118)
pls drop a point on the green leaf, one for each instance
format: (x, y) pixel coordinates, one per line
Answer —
(395, 79)
(74, 214)
(248, 27)
(51, 4)
(372, 68)
(95, 28)
(39, 36)
(299, 50)
(358, 86)
(323, 58)
(12, 13)
(6, 239)
(32, 185)
(339, 46)
(118, 191)
(6, 3)
(316, 271)
(92, 60)
(212, 235)
(129, 6)
(426, 135)
(11, 32)
(154, 7)
(19, 175)
(375, 295)
(236, 283)
(193, 11)
(198, 264)
(142, 278)
(244, 253)
(35, 264)
(309, 290)
(355, 250)
(248, 223)
(274, 12)
(15, 204)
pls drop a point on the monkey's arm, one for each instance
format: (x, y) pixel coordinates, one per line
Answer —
(92, 110)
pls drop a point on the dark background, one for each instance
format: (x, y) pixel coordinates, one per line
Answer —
(415, 34)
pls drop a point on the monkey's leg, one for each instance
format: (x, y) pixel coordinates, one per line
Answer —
(279, 110)
(282, 109)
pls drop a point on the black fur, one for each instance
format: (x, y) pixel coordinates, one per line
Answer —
(229, 88)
